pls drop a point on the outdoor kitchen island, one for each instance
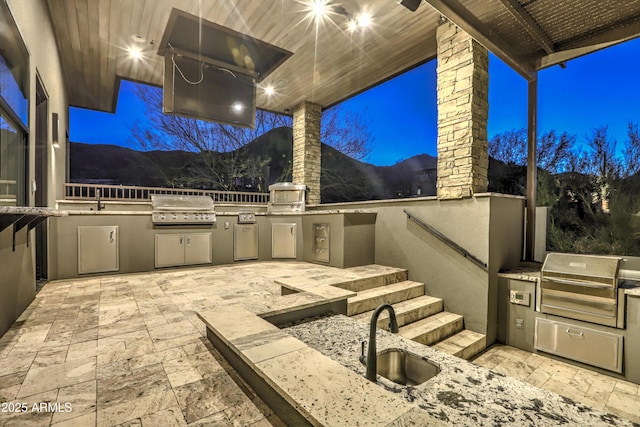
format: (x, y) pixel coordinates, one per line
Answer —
(311, 372)
(130, 235)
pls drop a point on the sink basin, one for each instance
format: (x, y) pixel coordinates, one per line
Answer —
(405, 368)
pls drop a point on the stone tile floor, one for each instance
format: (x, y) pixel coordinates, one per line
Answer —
(582, 385)
(129, 350)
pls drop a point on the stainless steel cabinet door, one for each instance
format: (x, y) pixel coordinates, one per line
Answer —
(197, 248)
(283, 240)
(245, 241)
(169, 250)
(98, 250)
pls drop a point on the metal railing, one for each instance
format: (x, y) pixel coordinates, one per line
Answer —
(126, 193)
(453, 245)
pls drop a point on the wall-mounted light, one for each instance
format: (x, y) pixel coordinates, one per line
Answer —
(55, 130)
(412, 5)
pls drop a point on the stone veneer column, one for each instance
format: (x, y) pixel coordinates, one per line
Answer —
(306, 148)
(463, 109)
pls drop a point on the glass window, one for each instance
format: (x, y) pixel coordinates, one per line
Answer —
(11, 92)
(12, 164)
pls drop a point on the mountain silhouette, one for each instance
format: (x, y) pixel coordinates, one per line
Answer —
(343, 178)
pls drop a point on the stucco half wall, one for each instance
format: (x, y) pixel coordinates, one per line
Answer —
(489, 226)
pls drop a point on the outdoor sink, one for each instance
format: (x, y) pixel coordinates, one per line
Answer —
(405, 368)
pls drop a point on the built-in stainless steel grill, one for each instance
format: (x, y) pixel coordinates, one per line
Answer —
(168, 209)
(582, 287)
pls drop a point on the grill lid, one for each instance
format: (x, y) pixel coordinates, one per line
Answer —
(181, 203)
(600, 266)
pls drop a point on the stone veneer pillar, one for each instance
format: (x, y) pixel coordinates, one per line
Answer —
(463, 110)
(306, 148)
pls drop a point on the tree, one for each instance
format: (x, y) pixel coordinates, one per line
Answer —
(631, 153)
(347, 132)
(554, 153)
(225, 163)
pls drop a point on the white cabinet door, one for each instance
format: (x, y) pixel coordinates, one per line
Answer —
(98, 250)
(197, 249)
(169, 250)
(283, 240)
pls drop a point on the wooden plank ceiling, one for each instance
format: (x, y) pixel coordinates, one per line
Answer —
(329, 63)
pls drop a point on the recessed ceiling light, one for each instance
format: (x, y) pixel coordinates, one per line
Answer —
(319, 8)
(352, 25)
(134, 53)
(364, 20)
(269, 90)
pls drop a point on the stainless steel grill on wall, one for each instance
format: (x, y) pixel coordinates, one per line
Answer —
(168, 209)
(287, 197)
(582, 287)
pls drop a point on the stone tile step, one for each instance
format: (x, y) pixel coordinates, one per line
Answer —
(406, 311)
(371, 298)
(433, 328)
(465, 344)
(372, 276)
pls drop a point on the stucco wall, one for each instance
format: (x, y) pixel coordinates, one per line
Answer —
(17, 281)
(36, 29)
(488, 226)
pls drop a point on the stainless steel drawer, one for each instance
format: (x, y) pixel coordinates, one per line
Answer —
(586, 345)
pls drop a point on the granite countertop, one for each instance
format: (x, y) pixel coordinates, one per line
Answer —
(322, 390)
(462, 393)
(321, 212)
(527, 274)
(107, 212)
(315, 367)
(31, 210)
(226, 213)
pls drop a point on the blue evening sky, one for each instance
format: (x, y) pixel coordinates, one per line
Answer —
(601, 89)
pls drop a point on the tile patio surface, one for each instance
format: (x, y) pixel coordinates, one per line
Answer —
(581, 385)
(129, 350)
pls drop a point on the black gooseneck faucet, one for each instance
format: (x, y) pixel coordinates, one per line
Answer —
(372, 360)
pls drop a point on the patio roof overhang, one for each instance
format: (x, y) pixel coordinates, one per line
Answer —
(328, 64)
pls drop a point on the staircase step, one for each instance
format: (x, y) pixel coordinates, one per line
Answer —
(406, 311)
(465, 344)
(372, 298)
(372, 276)
(433, 328)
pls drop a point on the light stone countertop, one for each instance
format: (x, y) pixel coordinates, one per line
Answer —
(227, 213)
(322, 390)
(523, 273)
(315, 367)
(31, 210)
(462, 393)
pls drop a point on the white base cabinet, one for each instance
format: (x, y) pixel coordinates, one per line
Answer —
(182, 249)
(98, 250)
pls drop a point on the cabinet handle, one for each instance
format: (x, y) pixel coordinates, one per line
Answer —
(292, 231)
(181, 240)
(573, 334)
(112, 236)
(188, 241)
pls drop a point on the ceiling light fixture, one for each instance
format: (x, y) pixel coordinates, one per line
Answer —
(138, 38)
(269, 90)
(363, 20)
(319, 9)
(134, 53)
